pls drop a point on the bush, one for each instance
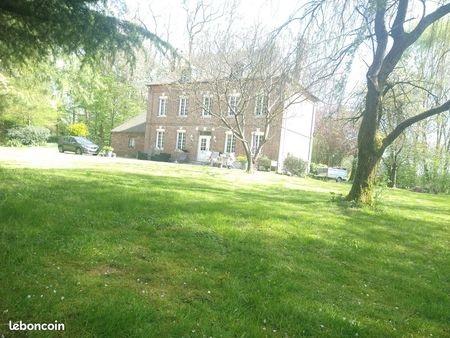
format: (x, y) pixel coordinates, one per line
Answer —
(142, 156)
(264, 163)
(107, 148)
(29, 136)
(53, 139)
(295, 166)
(77, 129)
(14, 143)
(163, 157)
(315, 166)
(243, 161)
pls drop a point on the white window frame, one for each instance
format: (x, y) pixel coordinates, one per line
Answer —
(160, 141)
(206, 142)
(206, 109)
(231, 111)
(261, 104)
(256, 140)
(183, 108)
(183, 140)
(229, 135)
(162, 112)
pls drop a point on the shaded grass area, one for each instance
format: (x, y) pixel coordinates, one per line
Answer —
(117, 254)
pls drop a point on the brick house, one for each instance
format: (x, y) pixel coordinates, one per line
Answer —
(176, 120)
(128, 138)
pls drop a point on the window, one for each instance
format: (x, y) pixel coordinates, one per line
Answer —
(257, 139)
(233, 105)
(160, 139)
(181, 140)
(206, 106)
(183, 109)
(162, 106)
(262, 104)
(203, 143)
(131, 142)
(230, 143)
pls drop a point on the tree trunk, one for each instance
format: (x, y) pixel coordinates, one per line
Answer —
(354, 165)
(364, 178)
(393, 175)
(249, 165)
(249, 156)
(369, 150)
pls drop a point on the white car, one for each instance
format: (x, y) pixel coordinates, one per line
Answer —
(339, 174)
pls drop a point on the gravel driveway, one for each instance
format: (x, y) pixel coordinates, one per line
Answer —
(49, 157)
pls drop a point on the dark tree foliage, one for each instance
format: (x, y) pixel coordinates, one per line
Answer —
(33, 29)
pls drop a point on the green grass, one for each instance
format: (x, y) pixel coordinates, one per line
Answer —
(158, 250)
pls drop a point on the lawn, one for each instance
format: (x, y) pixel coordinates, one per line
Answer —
(163, 250)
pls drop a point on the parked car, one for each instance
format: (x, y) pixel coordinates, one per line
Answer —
(78, 145)
(339, 174)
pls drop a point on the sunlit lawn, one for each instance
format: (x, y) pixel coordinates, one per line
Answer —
(157, 250)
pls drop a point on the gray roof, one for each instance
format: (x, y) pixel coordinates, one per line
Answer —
(134, 125)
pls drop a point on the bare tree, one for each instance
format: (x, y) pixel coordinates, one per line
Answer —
(199, 14)
(251, 83)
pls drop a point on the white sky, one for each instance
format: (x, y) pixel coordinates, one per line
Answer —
(171, 21)
(170, 14)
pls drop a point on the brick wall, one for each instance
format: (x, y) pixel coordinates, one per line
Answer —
(194, 123)
(120, 144)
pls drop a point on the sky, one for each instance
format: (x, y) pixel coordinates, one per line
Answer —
(168, 21)
(169, 13)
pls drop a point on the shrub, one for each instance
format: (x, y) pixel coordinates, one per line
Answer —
(107, 148)
(264, 162)
(53, 139)
(243, 161)
(77, 129)
(295, 166)
(315, 166)
(29, 135)
(14, 143)
(163, 157)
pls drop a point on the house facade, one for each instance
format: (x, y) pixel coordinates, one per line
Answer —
(128, 138)
(182, 121)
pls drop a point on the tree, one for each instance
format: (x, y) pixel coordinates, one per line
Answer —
(34, 29)
(101, 96)
(238, 71)
(77, 129)
(391, 29)
(371, 143)
(199, 14)
(26, 96)
(334, 138)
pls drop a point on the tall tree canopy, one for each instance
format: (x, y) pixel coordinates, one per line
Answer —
(33, 29)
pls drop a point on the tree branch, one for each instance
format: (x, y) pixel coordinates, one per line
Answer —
(397, 27)
(403, 41)
(408, 122)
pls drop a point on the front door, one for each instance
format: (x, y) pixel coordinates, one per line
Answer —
(203, 152)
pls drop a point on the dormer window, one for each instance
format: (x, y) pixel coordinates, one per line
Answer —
(237, 70)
